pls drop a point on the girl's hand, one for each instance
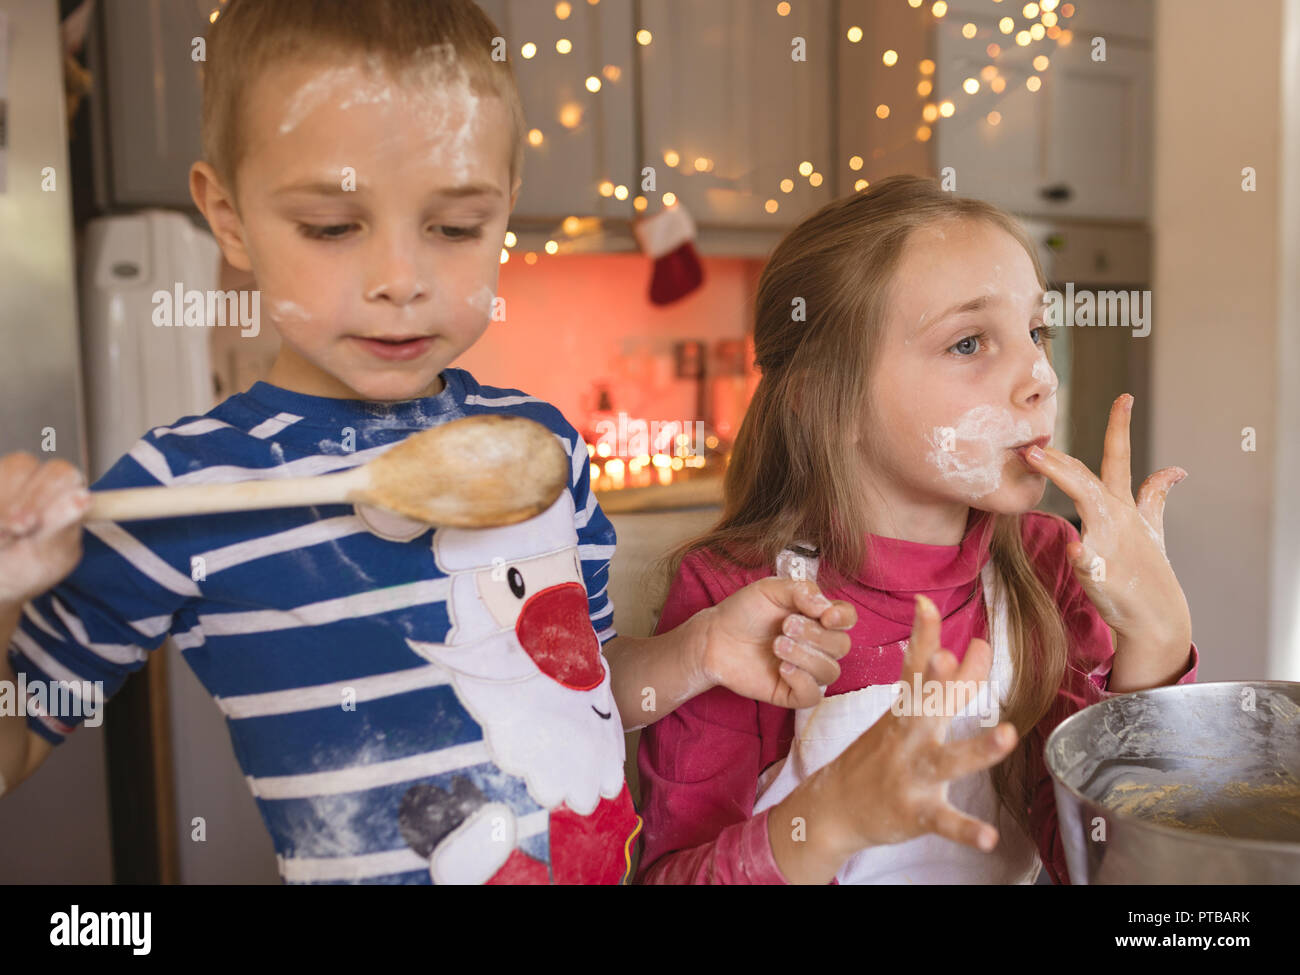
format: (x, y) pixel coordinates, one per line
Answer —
(891, 784)
(777, 641)
(1121, 563)
(41, 507)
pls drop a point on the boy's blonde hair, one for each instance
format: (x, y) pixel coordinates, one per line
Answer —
(791, 475)
(251, 35)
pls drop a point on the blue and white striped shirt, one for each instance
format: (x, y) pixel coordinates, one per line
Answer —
(287, 608)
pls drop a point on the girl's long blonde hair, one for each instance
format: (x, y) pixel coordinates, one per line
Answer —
(790, 475)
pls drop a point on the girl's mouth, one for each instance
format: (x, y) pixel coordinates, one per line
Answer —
(396, 348)
(1020, 449)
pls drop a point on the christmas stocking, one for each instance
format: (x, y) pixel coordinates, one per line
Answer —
(668, 239)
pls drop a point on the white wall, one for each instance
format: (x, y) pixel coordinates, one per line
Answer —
(1225, 328)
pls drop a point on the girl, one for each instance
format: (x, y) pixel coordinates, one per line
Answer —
(900, 430)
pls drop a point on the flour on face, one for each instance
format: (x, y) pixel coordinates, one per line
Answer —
(971, 453)
(434, 94)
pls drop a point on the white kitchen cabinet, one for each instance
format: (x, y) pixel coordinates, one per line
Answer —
(719, 85)
(562, 175)
(1077, 147)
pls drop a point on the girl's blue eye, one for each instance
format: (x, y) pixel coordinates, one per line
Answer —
(1048, 332)
(969, 338)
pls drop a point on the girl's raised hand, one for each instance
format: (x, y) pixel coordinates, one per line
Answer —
(891, 784)
(1121, 563)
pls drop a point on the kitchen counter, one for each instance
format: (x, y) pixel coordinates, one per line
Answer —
(694, 493)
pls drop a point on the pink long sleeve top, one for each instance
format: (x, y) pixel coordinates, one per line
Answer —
(700, 765)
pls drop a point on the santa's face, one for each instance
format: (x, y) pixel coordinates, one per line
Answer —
(538, 685)
(544, 600)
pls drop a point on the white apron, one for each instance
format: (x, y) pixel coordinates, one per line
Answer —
(821, 733)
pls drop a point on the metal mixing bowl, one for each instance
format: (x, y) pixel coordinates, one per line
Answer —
(1189, 784)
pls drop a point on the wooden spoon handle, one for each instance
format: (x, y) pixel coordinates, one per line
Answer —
(129, 504)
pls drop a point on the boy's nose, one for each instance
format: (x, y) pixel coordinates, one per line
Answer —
(396, 277)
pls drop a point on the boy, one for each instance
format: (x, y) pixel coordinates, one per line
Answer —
(407, 705)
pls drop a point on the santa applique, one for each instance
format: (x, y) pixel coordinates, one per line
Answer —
(526, 664)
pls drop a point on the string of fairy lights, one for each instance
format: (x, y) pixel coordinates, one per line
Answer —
(1036, 23)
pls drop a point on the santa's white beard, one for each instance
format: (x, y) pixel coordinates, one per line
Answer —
(548, 735)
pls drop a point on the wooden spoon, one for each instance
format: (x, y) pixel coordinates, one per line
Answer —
(474, 472)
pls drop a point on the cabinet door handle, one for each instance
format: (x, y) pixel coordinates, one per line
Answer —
(1059, 193)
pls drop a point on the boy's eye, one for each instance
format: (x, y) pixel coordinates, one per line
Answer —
(461, 233)
(334, 231)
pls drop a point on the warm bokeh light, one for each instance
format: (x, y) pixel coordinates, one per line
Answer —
(946, 109)
(1023, 38)
(644, 37)
(993, 50)
(535, 137)
(612, 72)
(787, 185)
(969, 30)
(564, 45)
(815, 179)
(882, 111)
(998, 84)
(1030, 10)
(1037, 32)
(927, 67)
(530, 257)
(1006, 25)
(988, 72)
(939, 9)
(805, 168)
(511, 239)
(783, 9)
(606, 188)
(1033, 82)
(640, 203)
(572, 225)
(1041, 62)
(528, 50)
(930, 112)
(854, 34)
(994, 117)
(552, 247)
(923, 133)
(669, 198)
(593, 84)
(571, 115)
(562, 10)
(771, 206)
(855, 163)
(924, 87)
(860, 185)
(671, 158)
(970, 86)
(620, 192)
(890, 58)
(505, 255)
